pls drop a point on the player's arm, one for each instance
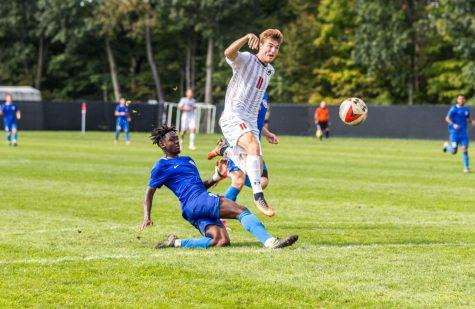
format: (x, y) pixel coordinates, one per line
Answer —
(232, 51)
(271, 137)
(147, 207)
(18, 114)
(448, 119)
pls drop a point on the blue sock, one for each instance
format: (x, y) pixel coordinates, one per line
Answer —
(248, 182)
(8, 136)
(196, 242)
(127, 137)
(117, 134)
(232, 193)
(254, 226)
(15, 136)
(465, 159)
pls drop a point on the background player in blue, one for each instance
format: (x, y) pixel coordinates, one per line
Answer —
(457, 119)
(122, 122)
(10, 114)
(238, 177)
(202, 209)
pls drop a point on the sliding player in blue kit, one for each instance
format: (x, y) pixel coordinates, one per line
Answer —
(199, 207)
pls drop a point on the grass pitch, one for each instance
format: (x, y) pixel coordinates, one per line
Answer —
(382, 223)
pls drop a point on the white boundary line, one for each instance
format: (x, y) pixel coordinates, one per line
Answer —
(179, 252)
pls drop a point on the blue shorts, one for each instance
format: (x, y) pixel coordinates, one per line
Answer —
(122, 125)
(459, 139)
(203, 211)
(9, 125)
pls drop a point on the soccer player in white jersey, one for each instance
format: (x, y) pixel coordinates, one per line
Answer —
(251, 75)
(187, 108)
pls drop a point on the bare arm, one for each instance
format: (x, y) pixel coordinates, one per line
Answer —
(271, 137)
(251, 39)
(18, 115)
(147, 207)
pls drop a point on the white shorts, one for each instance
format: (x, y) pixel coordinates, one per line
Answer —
(187, 121)
(233, 128)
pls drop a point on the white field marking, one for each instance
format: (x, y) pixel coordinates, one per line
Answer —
(182, 252)
(72, 229)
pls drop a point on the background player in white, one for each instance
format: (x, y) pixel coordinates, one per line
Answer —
(187, 108)
(251, 76)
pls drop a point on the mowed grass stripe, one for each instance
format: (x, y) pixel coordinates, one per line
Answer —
(382, 223)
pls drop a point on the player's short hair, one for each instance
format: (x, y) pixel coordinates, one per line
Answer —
(273, 34)
(158, 133)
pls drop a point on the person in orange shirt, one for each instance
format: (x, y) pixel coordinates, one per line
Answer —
(322, 121)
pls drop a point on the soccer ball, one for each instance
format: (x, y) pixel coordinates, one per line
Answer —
(353, 111)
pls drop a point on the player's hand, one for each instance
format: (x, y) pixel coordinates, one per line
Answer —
(146, 222)
(456, 126)
(272, 138)
(252, 41)
(222, 167)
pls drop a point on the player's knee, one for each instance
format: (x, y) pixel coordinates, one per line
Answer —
(454, 151)
(238, 181)
(253, 147)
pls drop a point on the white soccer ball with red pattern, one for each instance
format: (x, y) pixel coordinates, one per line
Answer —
(353, 111)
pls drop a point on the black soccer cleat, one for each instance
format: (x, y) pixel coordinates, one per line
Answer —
(283, 242)
(167, 243)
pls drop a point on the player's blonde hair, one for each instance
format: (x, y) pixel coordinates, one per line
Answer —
(273, 34)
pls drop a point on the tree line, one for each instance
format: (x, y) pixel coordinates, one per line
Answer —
(386, 52)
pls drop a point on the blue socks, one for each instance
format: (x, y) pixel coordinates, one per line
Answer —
(117, 134)
(127, 136)
(15, 136)
(8, 137)
(254, 226)
(465, 159)
(232, 193)
(248, 182)
(196, 242)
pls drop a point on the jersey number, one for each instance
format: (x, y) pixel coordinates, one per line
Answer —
(260, 81)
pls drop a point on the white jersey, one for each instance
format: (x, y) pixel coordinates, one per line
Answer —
(185, 102)
(246, 88)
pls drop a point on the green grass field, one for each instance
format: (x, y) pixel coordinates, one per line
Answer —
(382, 223)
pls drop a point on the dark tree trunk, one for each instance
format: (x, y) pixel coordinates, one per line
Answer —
(153, 66)
(113, 70)
(209, 73)
(41, 59)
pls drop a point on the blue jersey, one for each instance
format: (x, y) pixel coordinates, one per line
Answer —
(121, 109)
(9, 112)
(261, 117)
(181, 176)
(459, 116)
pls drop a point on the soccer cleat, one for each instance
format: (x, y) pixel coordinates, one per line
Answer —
(127, 142)
(116, 141)
(277, 243)
(192, 147)
(445, 146)
(168, 243)
(217, 150)
(466, 170)
(263, 207)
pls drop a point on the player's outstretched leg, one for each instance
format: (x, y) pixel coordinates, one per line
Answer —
(216, 236)
(127, 136)
(230, 210)
(116, 135)
(14, 138)
(253, 171)
(466, 165)
(8, 137)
